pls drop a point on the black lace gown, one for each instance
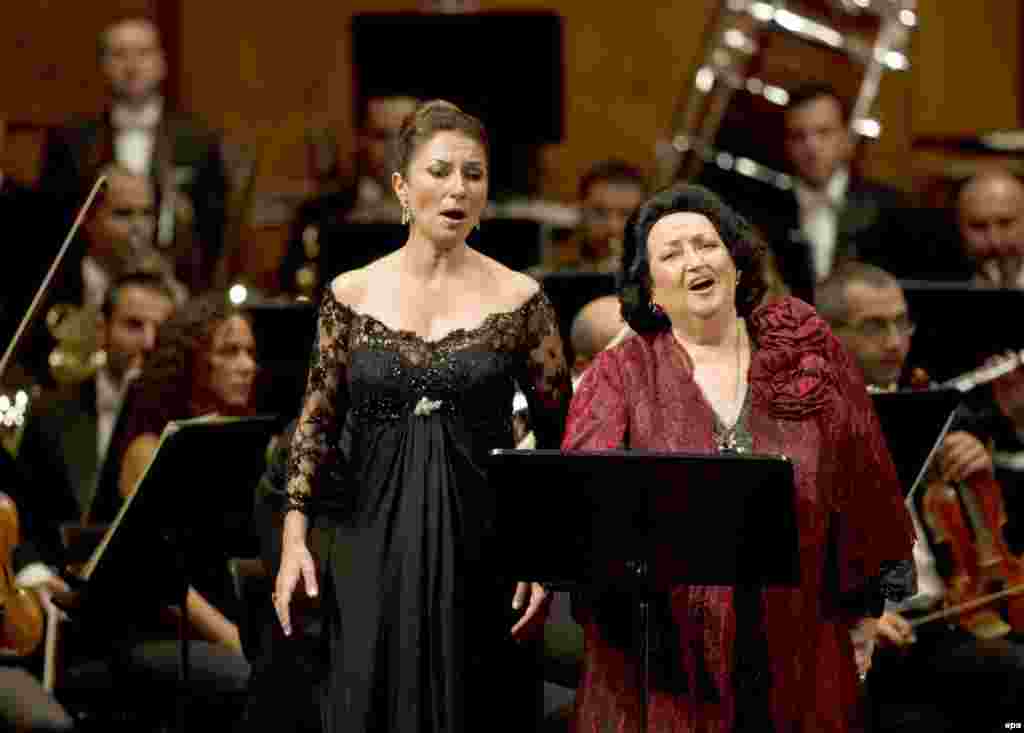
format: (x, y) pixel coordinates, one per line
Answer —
(419, 620)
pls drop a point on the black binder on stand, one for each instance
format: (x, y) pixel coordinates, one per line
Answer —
(914, 423)
(641, 522)
(196, 495)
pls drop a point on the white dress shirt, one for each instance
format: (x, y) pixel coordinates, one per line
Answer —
(819, 218)
(95, 281)
(109, 396)
(135, 135)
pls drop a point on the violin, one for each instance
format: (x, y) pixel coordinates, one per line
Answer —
(22, 621)
(969, 518)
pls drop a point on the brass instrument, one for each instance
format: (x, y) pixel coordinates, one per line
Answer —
(76, 357)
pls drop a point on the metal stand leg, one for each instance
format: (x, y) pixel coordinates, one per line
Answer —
(643, 641)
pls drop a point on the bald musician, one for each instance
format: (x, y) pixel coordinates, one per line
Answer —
(990, 214)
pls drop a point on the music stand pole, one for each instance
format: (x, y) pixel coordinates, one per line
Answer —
(665, 512)
(640, 568)
(178, 541)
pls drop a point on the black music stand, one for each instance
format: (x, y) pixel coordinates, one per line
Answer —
(640, 522)
(569, 292)
(914, 423)
(351, 245)
(936, 306)
(196, 496)
(285, 334)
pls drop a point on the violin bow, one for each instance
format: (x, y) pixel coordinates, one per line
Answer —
(968, 606)
(41, 292)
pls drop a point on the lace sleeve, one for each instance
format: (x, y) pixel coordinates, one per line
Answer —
(546, 383)
(314, 447)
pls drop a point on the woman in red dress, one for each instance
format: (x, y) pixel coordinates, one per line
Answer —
(711, 370)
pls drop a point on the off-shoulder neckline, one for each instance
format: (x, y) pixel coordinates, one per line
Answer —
(456, 333)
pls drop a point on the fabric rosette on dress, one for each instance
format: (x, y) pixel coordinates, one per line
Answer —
(789, 371)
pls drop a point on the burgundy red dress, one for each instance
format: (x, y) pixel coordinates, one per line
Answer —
(793, 668)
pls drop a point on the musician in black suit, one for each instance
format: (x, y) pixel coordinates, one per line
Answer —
(142, 133)
(831, 214)
(324, 221)
(67, 431)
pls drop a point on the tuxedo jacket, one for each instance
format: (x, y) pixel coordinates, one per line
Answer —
(55, 470)
(58, 449)
(872, 226)
(185, 152)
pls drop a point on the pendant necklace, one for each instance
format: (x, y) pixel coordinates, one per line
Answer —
(725, 436)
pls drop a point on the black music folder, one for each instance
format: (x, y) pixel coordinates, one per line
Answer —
(589, 517)
(285, 334)
(569, 292)
(196, 495)
(350, 245)
(914, 423)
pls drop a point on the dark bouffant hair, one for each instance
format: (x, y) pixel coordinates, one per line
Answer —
(165, 390)
(429, 119)
(745, 246)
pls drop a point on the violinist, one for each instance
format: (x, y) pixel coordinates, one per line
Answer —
(937, 677)
(25, 705)
(204, 364)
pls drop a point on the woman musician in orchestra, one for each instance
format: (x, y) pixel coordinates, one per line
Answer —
(204, 364)
(960, 672)
(711, 370)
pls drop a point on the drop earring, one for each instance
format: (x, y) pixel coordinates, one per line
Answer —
(406, 214)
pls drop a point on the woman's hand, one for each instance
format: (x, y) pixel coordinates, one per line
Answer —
(536, 599)
(296, 562)
(863, 636)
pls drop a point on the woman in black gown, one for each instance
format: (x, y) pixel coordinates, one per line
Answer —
(421, 351)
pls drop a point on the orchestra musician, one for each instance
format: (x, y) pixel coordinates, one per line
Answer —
(204, 364)
(938, 676)
(25, 704)
(710, 370)
(67, 432)
(831, 214)
(608, 192)
(365, 199)
(141, 132)
(990, 214)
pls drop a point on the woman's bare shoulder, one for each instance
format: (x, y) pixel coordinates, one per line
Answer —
(514, 288)
(351, 287)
